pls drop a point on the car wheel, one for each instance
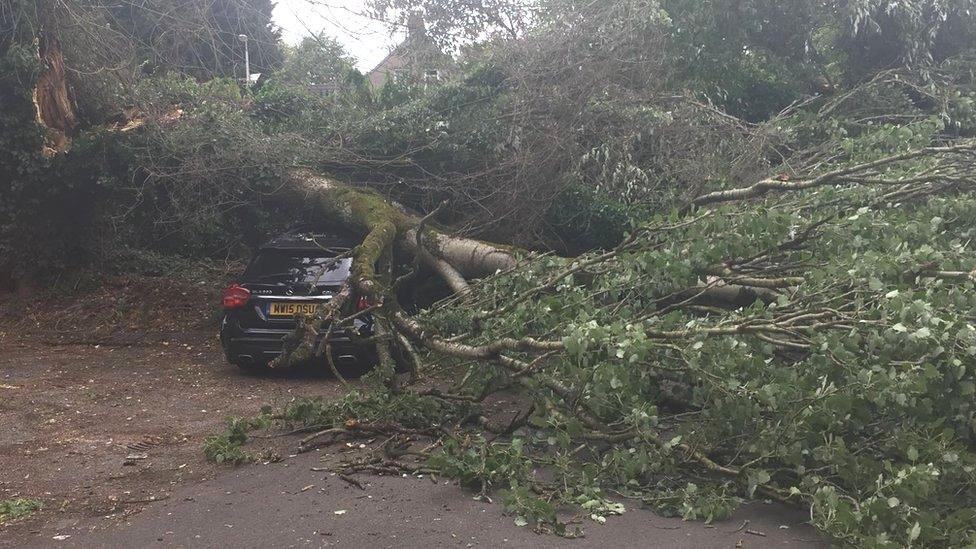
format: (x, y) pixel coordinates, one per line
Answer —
(350, 362)
(353, 370)
(250, 367)
(400, 359)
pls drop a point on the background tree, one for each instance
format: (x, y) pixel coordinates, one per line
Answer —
(199, 38)
(318, 59)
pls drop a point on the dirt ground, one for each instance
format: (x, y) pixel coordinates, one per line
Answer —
(73, 414)
(103, 416)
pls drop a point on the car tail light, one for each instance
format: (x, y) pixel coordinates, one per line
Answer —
(235, 296)
(363, 304)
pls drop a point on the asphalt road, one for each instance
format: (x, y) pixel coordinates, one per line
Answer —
(287, 504)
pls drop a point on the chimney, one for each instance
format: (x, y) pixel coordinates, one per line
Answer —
(415, 24)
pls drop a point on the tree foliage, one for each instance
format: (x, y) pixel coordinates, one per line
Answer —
(318, 59)
(198, 38)
(754, 57)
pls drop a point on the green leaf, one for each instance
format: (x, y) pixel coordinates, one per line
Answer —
(914, 532)
(757, 479)
(520, 521)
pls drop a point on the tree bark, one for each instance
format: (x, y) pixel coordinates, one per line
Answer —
(52, 102)
(383, 222)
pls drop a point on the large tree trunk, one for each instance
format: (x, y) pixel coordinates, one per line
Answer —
(52, 102)
(384, 226)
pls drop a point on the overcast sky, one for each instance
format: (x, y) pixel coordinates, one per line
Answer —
(366, 39)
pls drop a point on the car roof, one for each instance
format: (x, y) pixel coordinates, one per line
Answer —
(308, 242)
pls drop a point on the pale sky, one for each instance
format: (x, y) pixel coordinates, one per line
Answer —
(366, 39)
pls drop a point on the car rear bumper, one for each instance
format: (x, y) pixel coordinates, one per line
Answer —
(242, 348)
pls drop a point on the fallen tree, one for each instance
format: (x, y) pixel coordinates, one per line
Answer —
(814, 347)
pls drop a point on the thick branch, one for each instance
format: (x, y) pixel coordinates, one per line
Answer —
(367, 211)
(837, 176)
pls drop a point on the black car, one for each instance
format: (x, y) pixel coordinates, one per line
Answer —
(292, 274)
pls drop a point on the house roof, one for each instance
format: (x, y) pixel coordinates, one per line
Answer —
(386, 59)
(416, 36)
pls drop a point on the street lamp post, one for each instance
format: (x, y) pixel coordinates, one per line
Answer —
(247, 61)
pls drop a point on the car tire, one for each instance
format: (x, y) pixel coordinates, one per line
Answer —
(361, 367)
(250, 366)
(367, 360)
(400, 359)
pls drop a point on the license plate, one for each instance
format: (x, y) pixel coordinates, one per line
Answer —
(291, 308)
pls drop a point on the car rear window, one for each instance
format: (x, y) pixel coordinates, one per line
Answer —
(282, 266)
